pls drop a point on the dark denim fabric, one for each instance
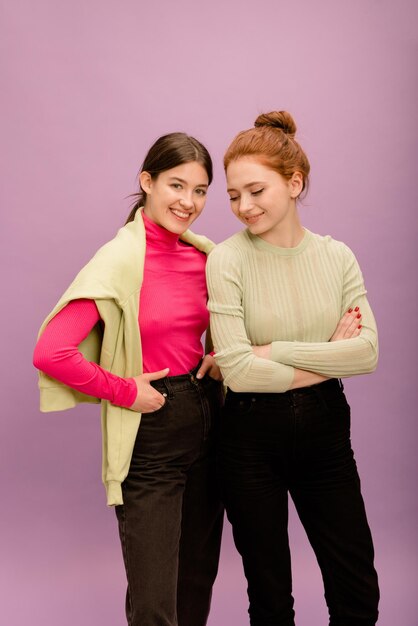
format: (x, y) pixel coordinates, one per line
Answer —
(297, 442)
(170, 524)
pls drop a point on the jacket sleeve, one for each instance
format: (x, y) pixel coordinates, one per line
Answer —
(347, 357)
(241, 369)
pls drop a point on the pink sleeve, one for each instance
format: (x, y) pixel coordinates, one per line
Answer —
(57, 354)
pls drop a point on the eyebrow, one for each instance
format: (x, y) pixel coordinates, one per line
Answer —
(180, 180)
(256, 182)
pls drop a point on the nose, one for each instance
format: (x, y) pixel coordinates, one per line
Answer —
(186, 202)
(245, 205)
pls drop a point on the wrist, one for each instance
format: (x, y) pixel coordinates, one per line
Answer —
(128, 393)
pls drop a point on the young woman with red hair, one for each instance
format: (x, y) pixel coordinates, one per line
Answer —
(289, 319)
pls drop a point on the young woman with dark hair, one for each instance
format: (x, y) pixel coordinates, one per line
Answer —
(289, 318)
(127, 332)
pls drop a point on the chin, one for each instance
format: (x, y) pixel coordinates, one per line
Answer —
(256, 229)
(178, 229)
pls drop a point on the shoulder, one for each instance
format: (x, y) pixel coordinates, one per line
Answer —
(335, 253)
(228, 260)
(115, 270)
(200, 242)
(128, 241)
(329, 245)
(234, 247)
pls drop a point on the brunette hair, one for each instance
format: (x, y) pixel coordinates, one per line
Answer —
(272, 142)
(167, 152)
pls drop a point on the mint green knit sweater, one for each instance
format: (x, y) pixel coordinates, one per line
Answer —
(290, 297)
(112, 278)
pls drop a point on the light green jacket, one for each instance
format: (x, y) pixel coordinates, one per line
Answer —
(113, 279)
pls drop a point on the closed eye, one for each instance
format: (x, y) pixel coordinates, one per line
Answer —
(257, 193)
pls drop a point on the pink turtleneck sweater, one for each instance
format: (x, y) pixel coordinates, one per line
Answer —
(172, 318)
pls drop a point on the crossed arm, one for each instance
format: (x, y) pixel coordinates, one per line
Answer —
(283, 365)
(349, 327)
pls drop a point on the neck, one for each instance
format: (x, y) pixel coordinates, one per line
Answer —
(158, 235)
(287, 234)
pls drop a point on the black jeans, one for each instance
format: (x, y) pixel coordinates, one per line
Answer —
(297, 442)
(170, 524)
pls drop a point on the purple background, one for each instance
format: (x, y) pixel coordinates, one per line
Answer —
(87, 86)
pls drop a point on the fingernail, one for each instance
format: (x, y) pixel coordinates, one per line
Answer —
(358, 315)
(198, 375)
(357, 308)
(350, 310)
(359, 326)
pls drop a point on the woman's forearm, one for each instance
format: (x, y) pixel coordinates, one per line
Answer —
(306, 379)
(57, 354)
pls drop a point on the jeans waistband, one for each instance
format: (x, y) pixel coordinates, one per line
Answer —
(170, 384)
(333, 384)
(327, 385)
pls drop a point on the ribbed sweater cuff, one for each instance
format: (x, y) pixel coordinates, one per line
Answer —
(125, 393)
(114, 492)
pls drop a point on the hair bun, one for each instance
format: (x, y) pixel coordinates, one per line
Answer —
(277, 119)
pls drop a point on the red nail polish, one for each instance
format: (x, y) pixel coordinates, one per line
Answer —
(350, 310)
(360, 326)
(356, 309)
(358, 315)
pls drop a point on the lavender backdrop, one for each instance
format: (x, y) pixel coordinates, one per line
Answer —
(87, 86)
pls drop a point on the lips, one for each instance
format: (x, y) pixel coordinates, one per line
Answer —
(181, 215)
(252, 219)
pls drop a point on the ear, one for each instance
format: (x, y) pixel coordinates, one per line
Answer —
(145, 181)
(296, 184)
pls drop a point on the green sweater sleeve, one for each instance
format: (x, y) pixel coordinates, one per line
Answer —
(338, 358)
(242, 370)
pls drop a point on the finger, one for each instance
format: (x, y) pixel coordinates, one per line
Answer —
(157, 375)
(353, 326)
(354, 332)
(340, 326)
(342, 330)
(345, 323)
(158, 401)
(354, 312)
(205, 367)
(161, 398)
(351, 316)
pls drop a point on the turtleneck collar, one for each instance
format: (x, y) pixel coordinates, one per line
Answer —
(158, 236)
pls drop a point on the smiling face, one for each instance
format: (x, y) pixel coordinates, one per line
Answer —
(262, 199)
(176, 197)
